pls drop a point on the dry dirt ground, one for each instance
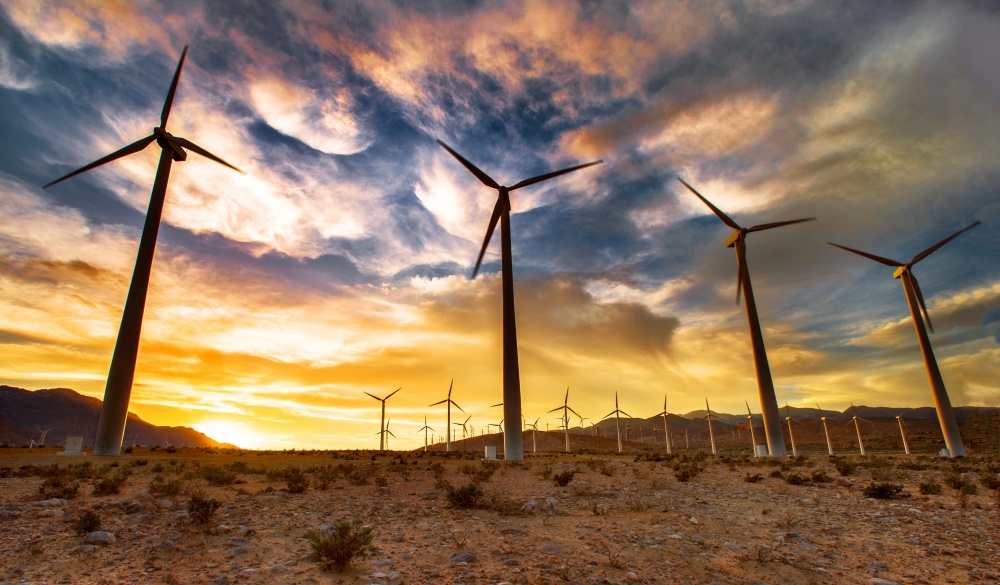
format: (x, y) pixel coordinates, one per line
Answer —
(616, 521)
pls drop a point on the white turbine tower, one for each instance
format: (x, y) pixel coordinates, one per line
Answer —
(425, 430)
(826, 431)
(566, 408)
(618, 426)
(753, 438)
(861, 443)
(666, 430)
(449, 402)
(788, 419)
(906, 446)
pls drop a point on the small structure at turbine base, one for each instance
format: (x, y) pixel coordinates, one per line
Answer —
(491, 453)
(74, 446)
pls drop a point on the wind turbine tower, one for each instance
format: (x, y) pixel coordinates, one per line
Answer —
(915, 301)
(44, 433)
(666, 430)
(906, 446)
(382, 427)
(118, 391)
(513, 448)
(449, 402)
(753, 438)
(711, 434)
(826, 431)
(765, 385)
(788, 419)
(861, 443)
(618, 425)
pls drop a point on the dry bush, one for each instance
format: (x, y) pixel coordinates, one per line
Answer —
(759, 554)
(637, 501)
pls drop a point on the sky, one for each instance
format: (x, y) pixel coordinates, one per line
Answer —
(340, 262)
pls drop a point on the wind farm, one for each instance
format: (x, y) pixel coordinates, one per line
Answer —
(187, 371)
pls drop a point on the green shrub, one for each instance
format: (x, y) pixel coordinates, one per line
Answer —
(752, 478)
(466, 496)
(562, 478)
(297, 481)
(201, 509)
(86, 522)
(882, 490)
(217, 475)
(335, 548)
(930, 488)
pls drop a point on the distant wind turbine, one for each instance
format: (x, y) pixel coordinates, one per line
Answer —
(915, 300)
(906, 446)
(791, 437)
(861, 443)
(666, 431)
(114, 409)
(566, 408)
(711, 433)
(381, 428)
(513, 448)
(826, 431)
(425, 429)
(618, 425)
(449, 402)
(44, 433)
(765, 385)
(386, 431)
(753, 437)
(534, 435)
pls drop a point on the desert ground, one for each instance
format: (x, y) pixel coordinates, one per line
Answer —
(638, 518)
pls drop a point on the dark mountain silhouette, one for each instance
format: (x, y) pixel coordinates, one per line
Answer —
(69, 413)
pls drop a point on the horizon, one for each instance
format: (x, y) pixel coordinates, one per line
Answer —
(340, 263)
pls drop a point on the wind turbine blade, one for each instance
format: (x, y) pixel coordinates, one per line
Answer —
(173, 90)
(553, 174)
(496, 405)
(725, 218)
(930, 250)
(497, 209)
(555, 409)
(391, 433)
(133, 148)
(748, 408)
(457, 406)
(393, 392)
(625, 413)
(878, 259)
(486, 179)
(573, 411)
(436, 403)
(767, 226)
(920, 300)
(195, 148)
(609, 414)
(376, 397)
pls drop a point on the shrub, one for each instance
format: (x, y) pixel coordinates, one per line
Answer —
(989, 481)
(336, 547)
(201, 509)
(844, 467)
(86, 522)
(796, 479)
(165, 487)
(961, 483)
(485, 471)
(776, 474)
(882, 490)
(820, 476)
(562, 478)
(57, 487)
(217, 475)
(297, 481)
(930, 488)
(752, 478)
(110, 485)
(466, 496)
(687, 472)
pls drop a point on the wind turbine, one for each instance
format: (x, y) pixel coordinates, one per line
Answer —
(381, 441)
(534, 435)
(499, 427)
(425, 429)
(387, 431)
(861, 444)
(906, 446)
(513, 448)
(565, 417)
(765, 385)
(753, 437)
(788, 419)
(711, 434)
(41, 439)
(915, 299)
(826, 431)
(618, 425)
(114, 409)
(449, 402)
(666, 431)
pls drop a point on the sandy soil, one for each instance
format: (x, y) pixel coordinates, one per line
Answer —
(616, 521)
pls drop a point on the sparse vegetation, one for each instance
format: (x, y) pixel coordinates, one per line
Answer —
(202, 509)
(752, 477)
(563, 478)
(882, 490)
(57, 487)
(930, 488)
(297, 482)
(86, 522)
(217, 475)
(165, 487)
(336, 547)
(109, 486)
(466, 496)
(844, 467)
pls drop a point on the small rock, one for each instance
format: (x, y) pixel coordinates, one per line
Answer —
(693, 520)
(165, 504)
(181, 517)
(463, 557)
(512, 532)
(880, 581)
(99, 537)
(52, 513)
(382, 563)
(553, 549)
(551, 504)
(878, 566)
(631, 576)
(530, 506)
(399, 537)
(50, 502)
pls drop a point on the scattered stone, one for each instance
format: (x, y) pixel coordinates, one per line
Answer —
(512, 532)
(631, 576)
(551, 505)
(181, 517)
(165, 504)
(553, 549)
(877, 566)
(530, 506)
(880, 581)
(463, 557)
(99, 537)
(52, 513)
(382, 563)
(50, 502)
(399, 537)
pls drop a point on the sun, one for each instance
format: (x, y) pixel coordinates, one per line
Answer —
(234, 433)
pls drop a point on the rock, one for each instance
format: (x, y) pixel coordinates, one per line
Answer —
(731, 545)
(52, 513)
(431, 496)
(841, 482)
(551, 505)
(399, 537)
(99, 537)
(181, 517)
(512, 532)
(50, 502)
(382, 563)
(530, 506)
(631, 576)
(553, 549)
(877, 566)
(880, 581)
(791, 537)
(165, 504)
(463, 557)
(693, 520)
(277, 569)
